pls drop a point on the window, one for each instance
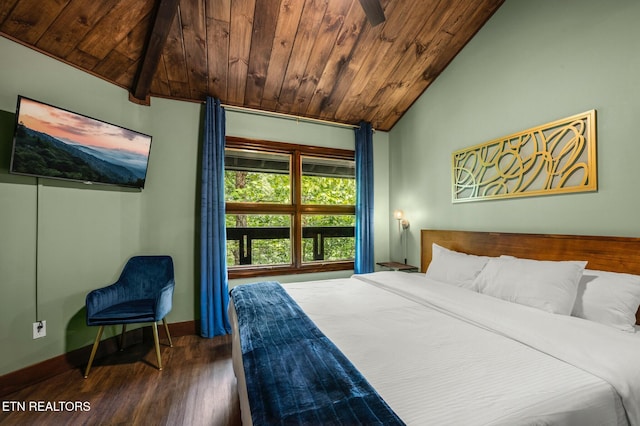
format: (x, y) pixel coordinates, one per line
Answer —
(289, 208)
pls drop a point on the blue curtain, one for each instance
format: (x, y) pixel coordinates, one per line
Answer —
(364, 199)
(214, 294)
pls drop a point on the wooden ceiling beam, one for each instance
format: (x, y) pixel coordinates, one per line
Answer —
(373, 10)
(167, 10)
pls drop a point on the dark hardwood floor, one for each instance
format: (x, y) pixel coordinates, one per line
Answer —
(197, 386)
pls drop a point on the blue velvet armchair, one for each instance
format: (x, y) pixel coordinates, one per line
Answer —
(143, 293)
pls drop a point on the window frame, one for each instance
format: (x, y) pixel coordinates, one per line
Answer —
(296, 209)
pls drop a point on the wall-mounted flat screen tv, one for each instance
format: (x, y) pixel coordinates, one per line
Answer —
(55, 143)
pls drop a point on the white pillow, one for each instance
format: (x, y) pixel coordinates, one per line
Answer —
(454, 267)
(543, 284)
(609, 298)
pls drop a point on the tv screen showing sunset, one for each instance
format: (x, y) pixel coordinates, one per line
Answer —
(56, 143)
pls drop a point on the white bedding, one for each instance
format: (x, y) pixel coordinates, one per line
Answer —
(439, 354)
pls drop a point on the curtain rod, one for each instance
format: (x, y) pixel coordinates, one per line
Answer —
(287, 116)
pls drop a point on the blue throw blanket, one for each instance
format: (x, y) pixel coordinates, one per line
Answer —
(294, 373)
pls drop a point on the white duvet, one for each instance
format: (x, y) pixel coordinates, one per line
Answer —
(439, 354)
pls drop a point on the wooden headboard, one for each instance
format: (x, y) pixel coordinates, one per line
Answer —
(616, 254)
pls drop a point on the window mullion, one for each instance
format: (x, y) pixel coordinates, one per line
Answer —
(320, 209)
(296, 197)
(240, 208)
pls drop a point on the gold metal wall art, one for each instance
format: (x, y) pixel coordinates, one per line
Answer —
(557, 157)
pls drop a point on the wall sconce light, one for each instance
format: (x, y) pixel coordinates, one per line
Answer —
(403, 225)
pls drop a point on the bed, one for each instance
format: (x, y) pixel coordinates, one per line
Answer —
(449, 345)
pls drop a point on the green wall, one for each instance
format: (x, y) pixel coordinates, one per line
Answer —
(532, 63)
(86, 233)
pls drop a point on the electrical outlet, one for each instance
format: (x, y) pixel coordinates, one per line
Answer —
(39, 329)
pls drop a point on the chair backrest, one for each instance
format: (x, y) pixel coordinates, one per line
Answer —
(147, 275)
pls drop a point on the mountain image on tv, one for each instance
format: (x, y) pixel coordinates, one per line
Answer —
(59, 144)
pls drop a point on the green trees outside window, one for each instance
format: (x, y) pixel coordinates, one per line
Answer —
(289, 208)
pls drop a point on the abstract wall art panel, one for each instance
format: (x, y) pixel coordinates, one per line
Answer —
(554, 158)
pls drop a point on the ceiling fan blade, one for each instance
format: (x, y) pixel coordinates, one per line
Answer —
(373, 10)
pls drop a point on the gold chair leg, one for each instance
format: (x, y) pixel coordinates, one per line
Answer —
(155, 338)
(93, 351)
(124, 329)
(166, 328)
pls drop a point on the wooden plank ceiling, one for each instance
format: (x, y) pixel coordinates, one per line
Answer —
(311, 58)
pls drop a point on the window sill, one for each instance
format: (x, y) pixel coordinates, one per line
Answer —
(307, 268)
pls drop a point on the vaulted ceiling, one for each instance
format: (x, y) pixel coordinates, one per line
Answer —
(320, 59)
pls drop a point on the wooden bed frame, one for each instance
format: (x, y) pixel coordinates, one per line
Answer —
(616, 254)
